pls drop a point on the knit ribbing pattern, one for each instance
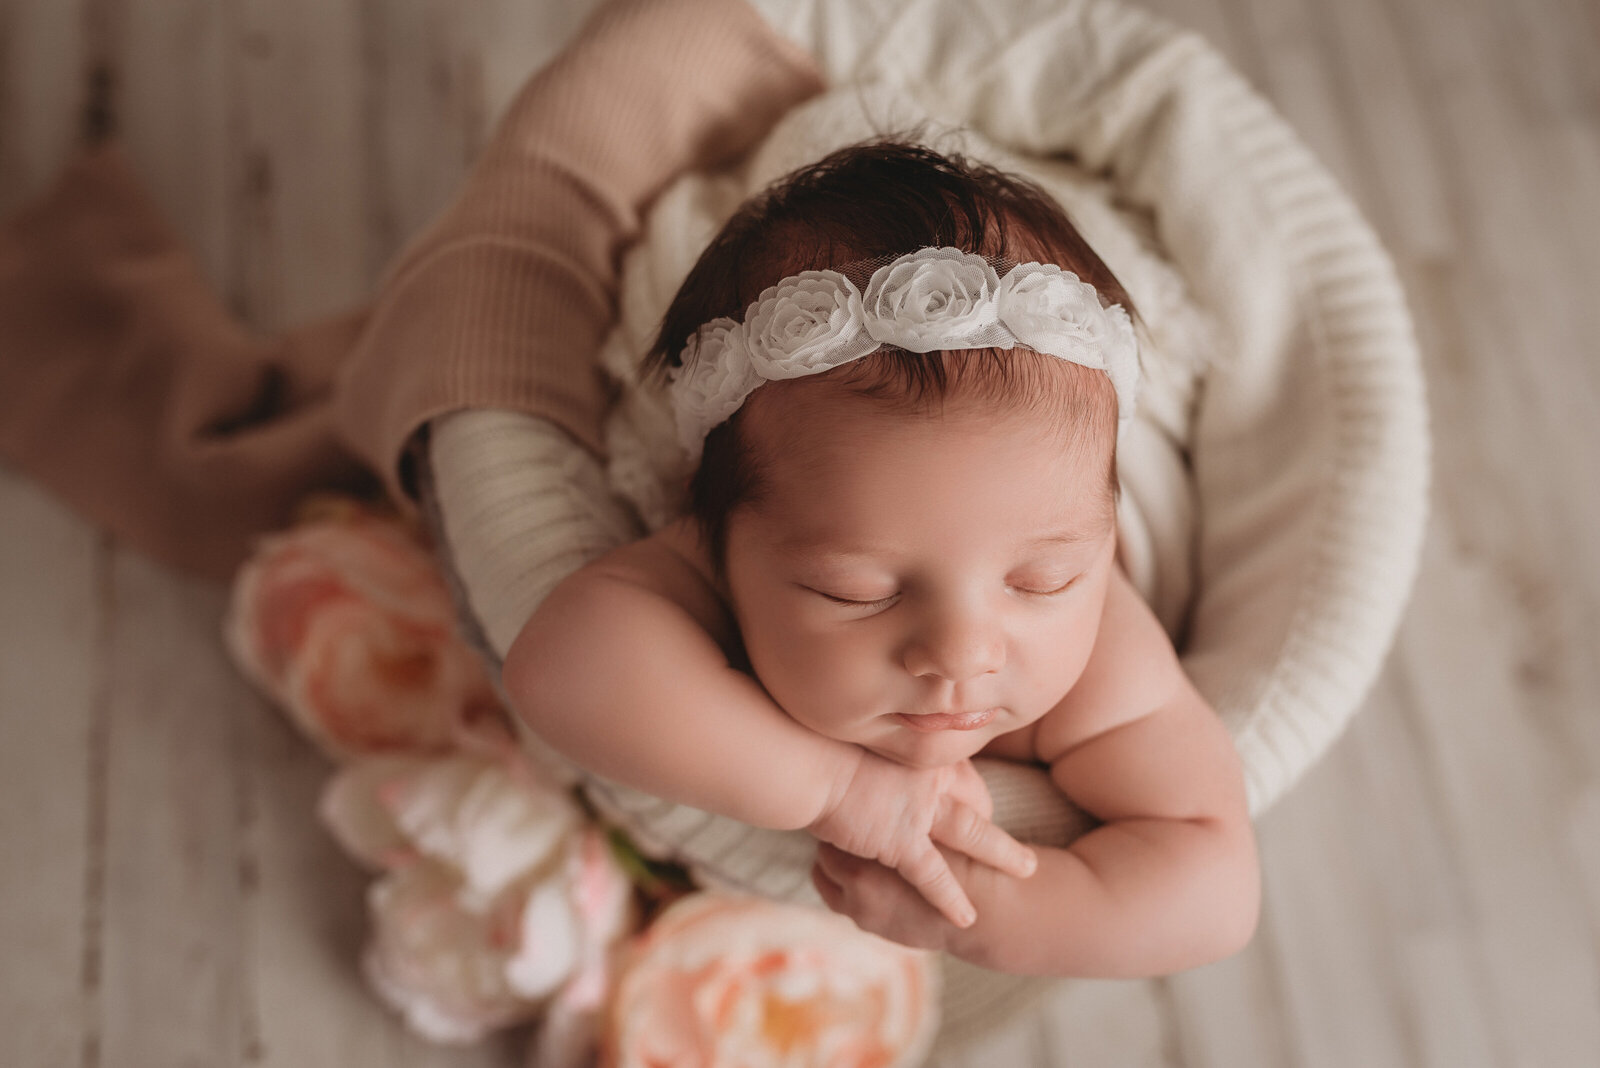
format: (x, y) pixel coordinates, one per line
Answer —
(504, 301)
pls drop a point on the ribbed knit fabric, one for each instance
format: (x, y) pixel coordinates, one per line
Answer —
(1309, 442)
(128, 388)
(504, 300)
(518, 481)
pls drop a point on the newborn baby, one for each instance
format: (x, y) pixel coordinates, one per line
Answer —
(902, 376)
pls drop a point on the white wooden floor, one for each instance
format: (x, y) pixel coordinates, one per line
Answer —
(1433, 887)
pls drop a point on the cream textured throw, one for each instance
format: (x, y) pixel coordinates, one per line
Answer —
(1275, 486)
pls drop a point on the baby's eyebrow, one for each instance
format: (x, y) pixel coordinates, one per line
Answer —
(1065, 537)
(825, 547)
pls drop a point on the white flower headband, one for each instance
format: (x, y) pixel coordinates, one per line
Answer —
(924, 301)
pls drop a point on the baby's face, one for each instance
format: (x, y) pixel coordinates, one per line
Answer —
(906, 565)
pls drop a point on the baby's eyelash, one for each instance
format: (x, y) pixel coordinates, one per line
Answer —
(848, 603)
(856, 604)
(1051, 593)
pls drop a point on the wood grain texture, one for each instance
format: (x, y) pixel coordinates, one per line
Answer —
(1433, 886)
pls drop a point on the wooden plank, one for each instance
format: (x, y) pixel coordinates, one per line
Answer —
(360, 163)
(299, 224)
(305, 923)
(52, 717)
(1505, 791)
(173, 985)
(513, 40)
(301, 148)
(425, 99)
(42, 75)
(1220, 22)
(52, 628)
(1291, 51)
(1324, 920)
(172, 990)
(1395, 158)
(171, 63)
(1438, 985)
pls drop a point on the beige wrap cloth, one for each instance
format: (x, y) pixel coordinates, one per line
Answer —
(129, 390)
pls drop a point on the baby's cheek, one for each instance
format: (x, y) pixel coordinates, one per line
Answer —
(828, 687)
(1056, 663)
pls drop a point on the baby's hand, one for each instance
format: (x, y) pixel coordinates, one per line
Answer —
(894, 814)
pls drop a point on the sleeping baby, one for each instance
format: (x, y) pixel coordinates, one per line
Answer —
(901, 376)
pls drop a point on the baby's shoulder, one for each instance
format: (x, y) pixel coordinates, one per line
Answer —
(672, 564)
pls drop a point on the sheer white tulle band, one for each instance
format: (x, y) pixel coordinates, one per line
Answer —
(925, 301)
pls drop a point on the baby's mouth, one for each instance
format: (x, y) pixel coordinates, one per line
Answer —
(949, 721)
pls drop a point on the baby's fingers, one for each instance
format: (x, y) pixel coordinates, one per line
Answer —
(960, 827)
(930, 874)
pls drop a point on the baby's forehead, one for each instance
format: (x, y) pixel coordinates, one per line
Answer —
(796, 420)
(814, 446)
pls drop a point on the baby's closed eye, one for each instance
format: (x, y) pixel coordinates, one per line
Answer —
(854, 602)
(1041, 586)
(1046, 586)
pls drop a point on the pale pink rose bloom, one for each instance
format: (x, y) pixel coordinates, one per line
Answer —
(349, 626)
(569, 1034)
(722, 981)
(497, 895)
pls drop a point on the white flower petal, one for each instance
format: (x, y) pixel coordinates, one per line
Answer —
(799, 326)
(481, 819)
(352, 808)
(933, 299)
(549, 948)
(436, 963)
(713, 382)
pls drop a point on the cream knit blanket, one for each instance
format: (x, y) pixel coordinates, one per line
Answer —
(1275, 485)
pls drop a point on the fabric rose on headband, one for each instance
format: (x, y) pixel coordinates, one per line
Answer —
(1052, 310)
(933, 299)
(714, 381)
(928, 300)
(806, 324)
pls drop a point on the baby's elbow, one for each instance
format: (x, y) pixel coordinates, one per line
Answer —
(1239, 928)
(1237, 909)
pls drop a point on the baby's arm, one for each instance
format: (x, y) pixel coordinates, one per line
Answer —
(1168, 882)
(619, 670)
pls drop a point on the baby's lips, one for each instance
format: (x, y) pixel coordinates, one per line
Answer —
(949, 721)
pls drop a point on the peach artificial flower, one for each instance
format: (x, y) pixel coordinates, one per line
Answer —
(497, 898)
(740, 982)
(346, 622)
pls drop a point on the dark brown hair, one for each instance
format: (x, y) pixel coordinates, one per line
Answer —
(870, 201)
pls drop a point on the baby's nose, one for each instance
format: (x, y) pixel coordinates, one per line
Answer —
(958, 650)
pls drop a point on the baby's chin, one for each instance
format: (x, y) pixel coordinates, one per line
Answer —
(932, 750)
